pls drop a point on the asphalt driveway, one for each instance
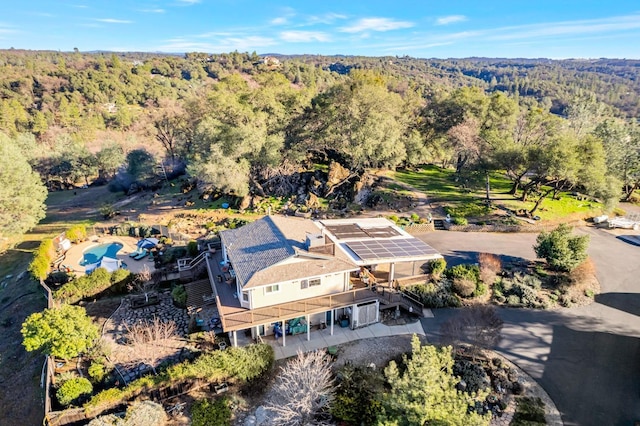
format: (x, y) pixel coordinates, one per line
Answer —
(587, 358)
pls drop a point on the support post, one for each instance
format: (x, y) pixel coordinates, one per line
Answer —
(332, 318)
(392, 272)
(235, 339)
(284, 334)
(308, 329)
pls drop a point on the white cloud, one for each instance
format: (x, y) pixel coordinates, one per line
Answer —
(596, 29)
(375, 24)
(113, 21)
(416, 46)
(451, 19)
(279, 21)
(304, 36)
(327, 18)
(189, 2)
(562, 28)
(152, 10)
(226, 44)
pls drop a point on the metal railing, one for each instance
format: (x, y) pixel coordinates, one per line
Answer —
(188, 264)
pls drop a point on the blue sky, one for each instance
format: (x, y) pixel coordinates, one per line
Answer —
(419, 28)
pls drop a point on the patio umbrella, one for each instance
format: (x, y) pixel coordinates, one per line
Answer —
(148, 243)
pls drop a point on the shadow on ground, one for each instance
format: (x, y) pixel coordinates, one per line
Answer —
(458, 257)
(627, 302)
(591, 376)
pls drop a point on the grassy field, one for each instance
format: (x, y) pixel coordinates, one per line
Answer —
(440, 186)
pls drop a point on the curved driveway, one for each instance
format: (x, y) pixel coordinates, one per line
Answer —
(587, 358)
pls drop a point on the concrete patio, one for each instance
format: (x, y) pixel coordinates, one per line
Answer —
(319, 339)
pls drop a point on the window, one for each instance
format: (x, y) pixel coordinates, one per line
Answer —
(310, 283)
(272, 288)
(245, 296)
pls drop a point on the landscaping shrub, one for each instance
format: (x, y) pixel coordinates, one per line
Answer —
(562, 250)
(480, 290)
(490, 267)
(97, 371)
(513, 300)
(216, 412)
(471, 272)
(436, 294)
(414, 218)
(179, 295)
(521, 290)
(93, 284)
(358, 395)
(120, 280)
(144, 231)
(462, 221)
(464, 286)
(529, 412)
(58, 278)
(77, 233)
(436, 267)
(73, 389)
(474, 376)
(143, 413)
(241, 364)
(43, 256)
(192, 248)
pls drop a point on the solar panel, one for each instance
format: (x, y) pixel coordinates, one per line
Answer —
(381, 232)
(342, 232)
(385, 249)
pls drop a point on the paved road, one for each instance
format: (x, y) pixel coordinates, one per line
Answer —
(587, 358)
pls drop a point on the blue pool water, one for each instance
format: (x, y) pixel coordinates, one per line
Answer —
(96, 253)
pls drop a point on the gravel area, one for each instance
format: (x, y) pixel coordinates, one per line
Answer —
(377, 351)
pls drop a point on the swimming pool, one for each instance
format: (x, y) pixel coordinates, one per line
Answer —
(96, 253)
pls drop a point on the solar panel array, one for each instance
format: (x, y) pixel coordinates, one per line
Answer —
(385, 249)
(350, 231)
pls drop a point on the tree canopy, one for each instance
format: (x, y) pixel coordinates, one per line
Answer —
(63, 332)
(22, 193)
(423, 391)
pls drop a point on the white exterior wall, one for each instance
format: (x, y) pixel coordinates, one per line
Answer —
(291, 290)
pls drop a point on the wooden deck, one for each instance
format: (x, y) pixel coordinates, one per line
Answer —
(284, 311)
(234, 317)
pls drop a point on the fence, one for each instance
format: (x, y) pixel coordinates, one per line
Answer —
(106, 228)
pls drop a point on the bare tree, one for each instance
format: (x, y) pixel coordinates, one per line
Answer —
(478, 326)
(304, 390)
(146, 336)
(144, 282)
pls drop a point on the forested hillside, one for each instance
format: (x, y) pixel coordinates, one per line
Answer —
(245, 125)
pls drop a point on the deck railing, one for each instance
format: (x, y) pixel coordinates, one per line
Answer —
(284, 311)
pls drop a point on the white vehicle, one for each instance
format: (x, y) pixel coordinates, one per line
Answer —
(625, 222)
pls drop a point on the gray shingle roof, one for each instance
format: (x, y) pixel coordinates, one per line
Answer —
(256, 250)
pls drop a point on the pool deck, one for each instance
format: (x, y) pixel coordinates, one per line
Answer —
(75, 254)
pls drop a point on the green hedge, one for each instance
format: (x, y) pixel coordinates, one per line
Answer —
(44, 256)
(93, 284)
(206, 413)
(241, 364)
(73, 389)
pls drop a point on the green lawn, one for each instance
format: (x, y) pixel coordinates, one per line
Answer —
(439, 184)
